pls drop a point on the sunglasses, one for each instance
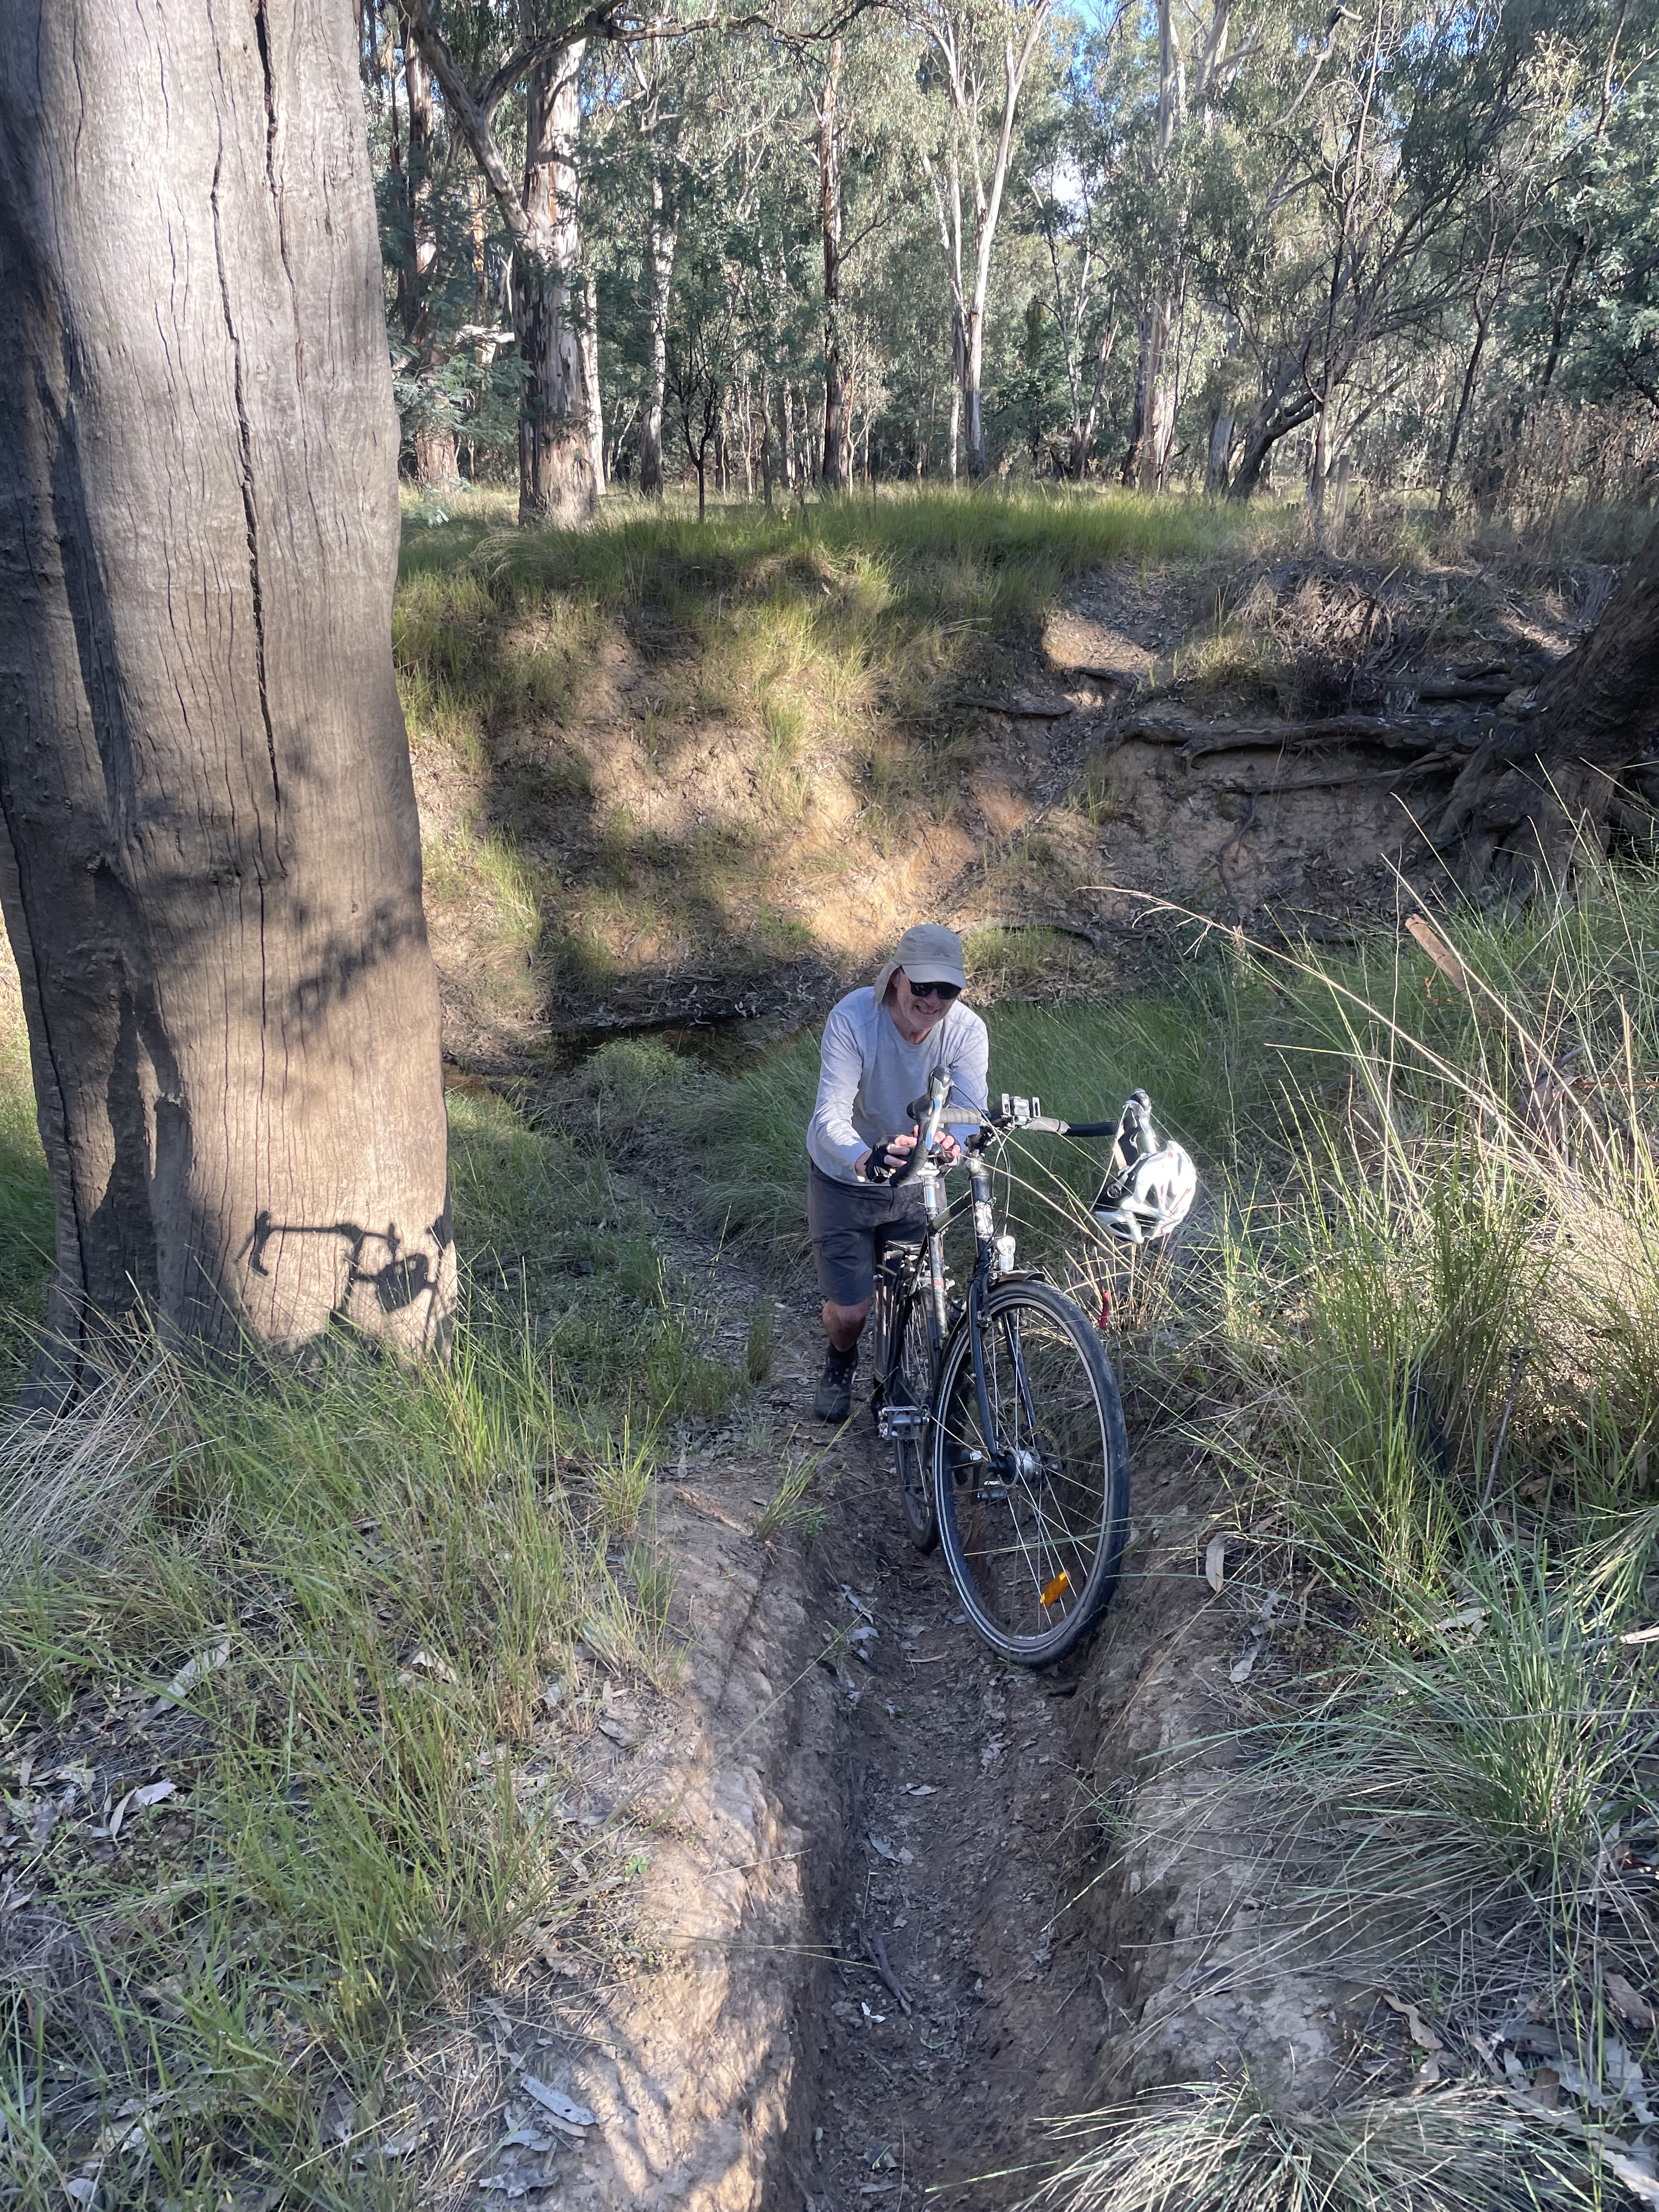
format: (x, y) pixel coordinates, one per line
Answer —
(946, 990)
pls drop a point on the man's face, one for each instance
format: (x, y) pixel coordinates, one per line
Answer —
(919, 1011)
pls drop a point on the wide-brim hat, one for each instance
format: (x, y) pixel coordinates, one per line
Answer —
(928, 953)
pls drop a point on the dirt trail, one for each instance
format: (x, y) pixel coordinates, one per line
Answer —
(940, 1964)
(958, 1875)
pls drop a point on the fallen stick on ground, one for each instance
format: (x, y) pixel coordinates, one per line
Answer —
(877, 1951)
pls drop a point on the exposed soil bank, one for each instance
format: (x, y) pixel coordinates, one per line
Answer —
(1270, 744)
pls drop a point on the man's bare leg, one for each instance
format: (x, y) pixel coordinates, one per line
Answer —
(844, 1325)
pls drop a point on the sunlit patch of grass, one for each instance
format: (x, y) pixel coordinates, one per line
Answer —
(789, 1505)
(815, 651)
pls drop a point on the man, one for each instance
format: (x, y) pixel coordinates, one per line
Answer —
(880, 1046)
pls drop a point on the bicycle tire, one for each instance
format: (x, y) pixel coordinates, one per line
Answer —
(905, 1385)
(1034, 1542)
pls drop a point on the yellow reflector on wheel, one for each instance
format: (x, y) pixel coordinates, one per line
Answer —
(1056, 1590)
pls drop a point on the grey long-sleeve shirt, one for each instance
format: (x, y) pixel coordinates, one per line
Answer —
(869, 1075)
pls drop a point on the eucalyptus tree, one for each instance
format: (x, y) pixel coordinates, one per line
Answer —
(977, 57)
(544, 42)
(440, 247)
(210, 866)
(1324, 207)
(853, 69)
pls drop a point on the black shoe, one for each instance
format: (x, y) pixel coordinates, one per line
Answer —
(835, 1400)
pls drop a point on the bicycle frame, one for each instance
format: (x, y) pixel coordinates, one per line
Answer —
(987, 1256)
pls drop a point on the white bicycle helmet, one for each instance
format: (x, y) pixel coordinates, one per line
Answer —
(1150, 1188)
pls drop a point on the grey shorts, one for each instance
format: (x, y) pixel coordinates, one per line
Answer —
(848, 1223)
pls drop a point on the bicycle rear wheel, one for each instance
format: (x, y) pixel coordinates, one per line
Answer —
(904, 1399)
(1033, 1516)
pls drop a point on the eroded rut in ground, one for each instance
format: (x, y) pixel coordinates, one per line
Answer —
(957, 1908)
(973, 1999)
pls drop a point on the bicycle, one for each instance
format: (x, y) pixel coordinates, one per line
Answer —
(1003, 1413)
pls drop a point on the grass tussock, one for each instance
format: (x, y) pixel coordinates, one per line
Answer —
(1217, 2146)
(294, 1669)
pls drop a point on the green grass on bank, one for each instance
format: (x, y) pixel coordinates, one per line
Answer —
(388, 1599)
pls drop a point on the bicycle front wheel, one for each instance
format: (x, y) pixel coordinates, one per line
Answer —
(1033, 1514)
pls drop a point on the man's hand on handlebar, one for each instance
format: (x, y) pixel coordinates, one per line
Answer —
(883, 1162)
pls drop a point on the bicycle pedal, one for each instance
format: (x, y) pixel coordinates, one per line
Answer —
(894, 1421)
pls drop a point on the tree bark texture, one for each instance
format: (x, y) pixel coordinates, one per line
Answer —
(978, 458)
(555, 457)
(211, 868)
(1532, 800)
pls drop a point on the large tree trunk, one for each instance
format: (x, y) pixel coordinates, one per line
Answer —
(1532, 800)
(210, 866)
(1273, 420)
(659, 276)
(555, 456)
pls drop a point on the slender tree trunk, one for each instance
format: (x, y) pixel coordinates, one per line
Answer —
(211, 864)
(836, 443)
(1161, 398)
(556, 459)
(959, 362)
(789, 435)
(1455, 439)
(1317, 461)
(591, 372)
(660, 243)
(1532, 799)
(436, 466)
(1130, 473)
(1219, 452)
(484, 302)
(417, 264)
(979, 459)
